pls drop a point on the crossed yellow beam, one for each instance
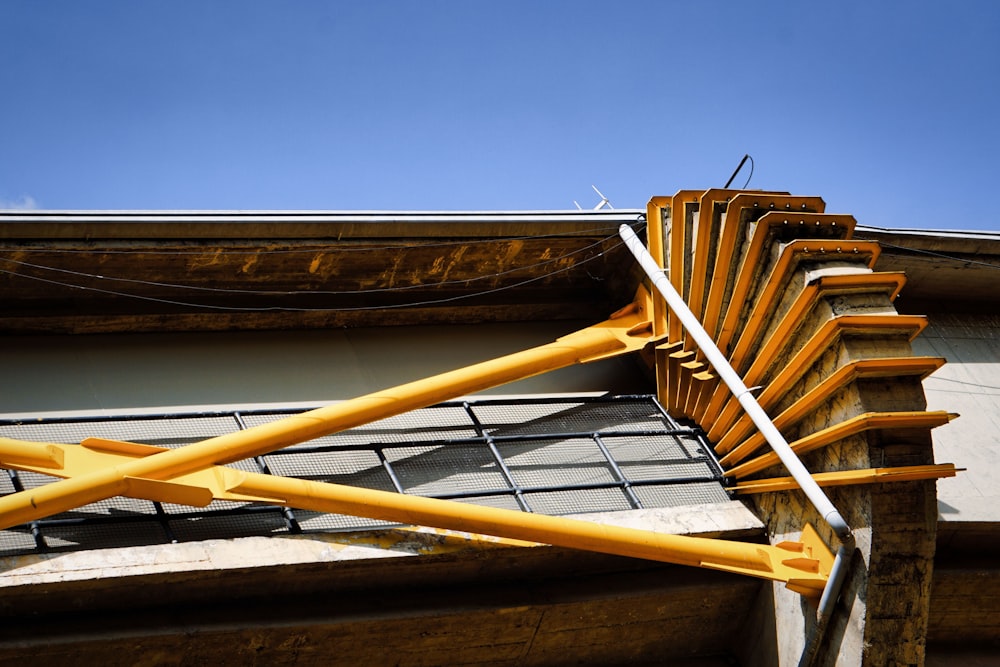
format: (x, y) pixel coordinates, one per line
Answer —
(196, 474)
(803, 566)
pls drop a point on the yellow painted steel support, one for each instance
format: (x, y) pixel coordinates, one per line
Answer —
(628, 330)
(656, 240)
(850, 477)
(732, 233)
(676, 262)
(195, 474)
(751, 257)
(675, 363)
(741, 441)
(869, 421)
(793, 252)
(803, 565)
(703, 257)
(831, 285)
(821, 340)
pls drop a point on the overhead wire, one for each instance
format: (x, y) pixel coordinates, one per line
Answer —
(427, 302)
(746, 157)
(933, 253)
(226, 290)
(320, 245)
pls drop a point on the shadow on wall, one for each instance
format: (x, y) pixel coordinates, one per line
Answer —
(115, 372)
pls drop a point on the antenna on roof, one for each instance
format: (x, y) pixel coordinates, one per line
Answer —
(604, 200)
(601, 204)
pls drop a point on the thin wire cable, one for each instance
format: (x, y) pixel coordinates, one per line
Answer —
(225, 290)
(751, 173)
(962, 382)
(428, 302)
(746, 157)
(318, 248)
(932, 253)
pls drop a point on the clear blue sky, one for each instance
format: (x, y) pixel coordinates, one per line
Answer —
(888, 110)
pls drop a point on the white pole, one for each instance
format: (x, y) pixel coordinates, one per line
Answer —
(732, 379)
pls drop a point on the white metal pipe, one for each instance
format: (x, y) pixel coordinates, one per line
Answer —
(735, 383)
(767, 428)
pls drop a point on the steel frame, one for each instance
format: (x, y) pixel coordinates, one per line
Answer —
(197, 473)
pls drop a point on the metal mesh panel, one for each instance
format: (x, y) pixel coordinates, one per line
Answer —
(570, 461)
(649, 457)
(162, 432)
(353, 467)
(16, 540)
(557, 456)
(678, 495)
(316, 522)
(108, 535)
(576, 502)
(248, 465)
(446, 469)
(224, 525)
(570, 417)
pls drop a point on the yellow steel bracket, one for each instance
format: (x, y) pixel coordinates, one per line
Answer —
(803, 566)
(196, 474)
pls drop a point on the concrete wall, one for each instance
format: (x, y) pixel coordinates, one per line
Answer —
(968, 384)
(145, 371)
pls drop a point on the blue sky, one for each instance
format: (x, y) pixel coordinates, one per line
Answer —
(887, 110)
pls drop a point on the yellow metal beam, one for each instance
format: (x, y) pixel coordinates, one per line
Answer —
(733, 231)
(675, 363)
(790, 255)
(628, 330)
(690, 386)
(740, 441)
(831, 285)
(849, 477)
(803, 566)
(868, 421)
(752, 262)
(703, 248)
(682, 205)
(709, 383)
(658, 209)
(819, 342)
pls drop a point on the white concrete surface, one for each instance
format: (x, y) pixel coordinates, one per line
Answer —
(968, 384)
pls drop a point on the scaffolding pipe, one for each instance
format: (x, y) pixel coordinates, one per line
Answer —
(762, 421)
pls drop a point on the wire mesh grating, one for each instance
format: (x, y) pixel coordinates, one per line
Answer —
(552, 456)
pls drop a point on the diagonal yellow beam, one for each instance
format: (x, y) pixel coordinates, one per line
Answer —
(628, 330)
(803, 565)
(196, 474)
